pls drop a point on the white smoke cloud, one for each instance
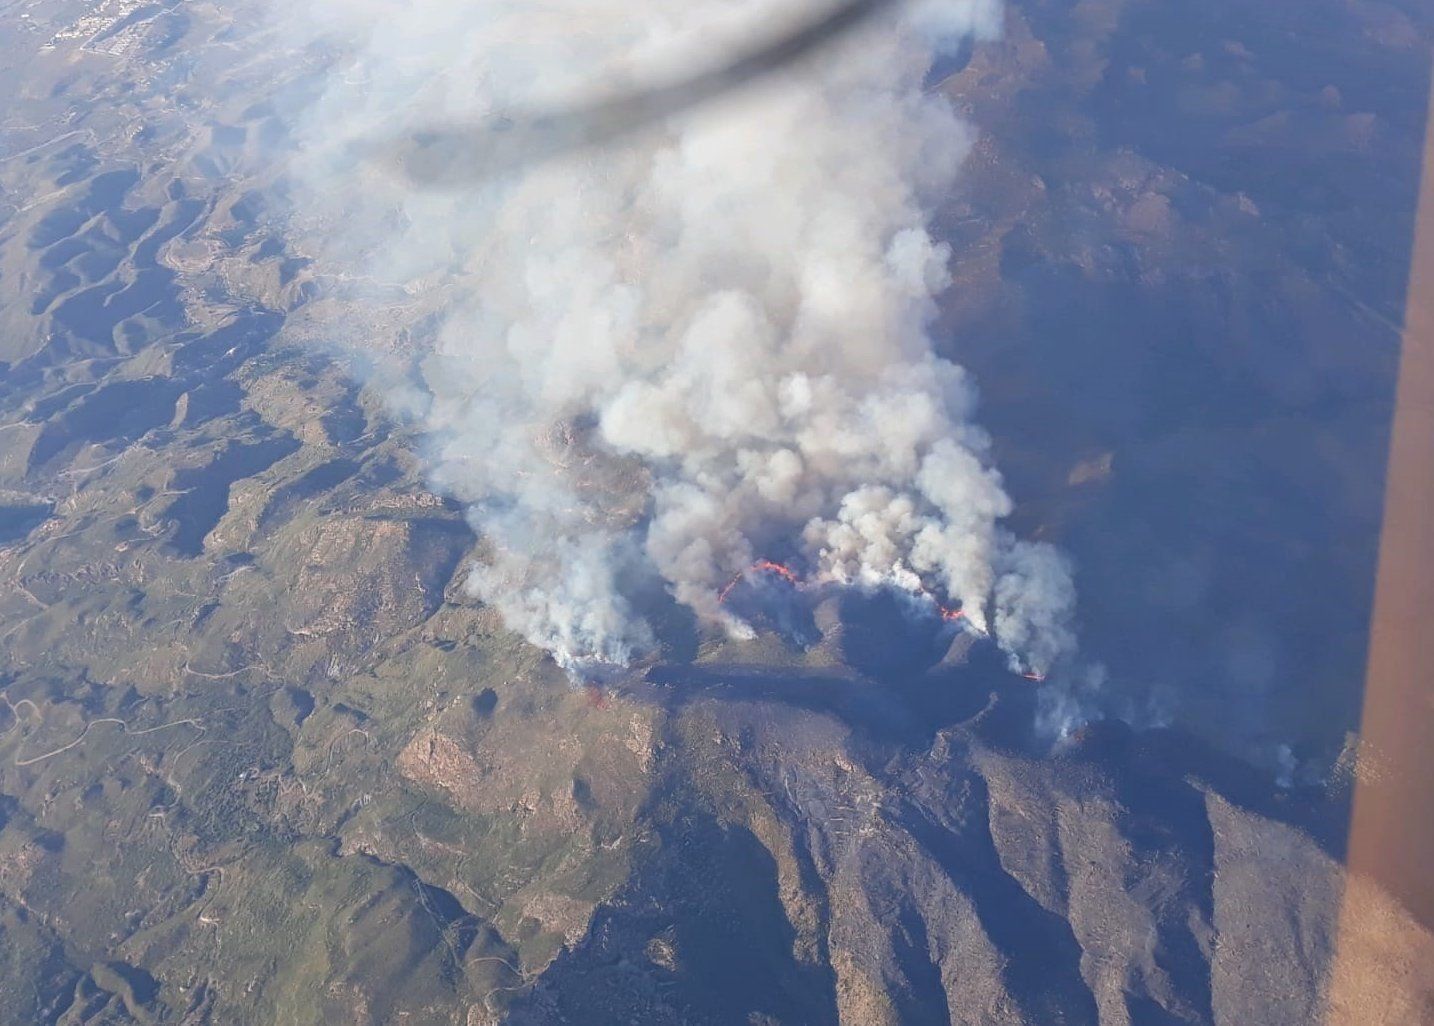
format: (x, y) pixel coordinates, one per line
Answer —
(669, 355)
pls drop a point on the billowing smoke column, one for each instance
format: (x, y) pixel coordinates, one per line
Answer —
(694, 346)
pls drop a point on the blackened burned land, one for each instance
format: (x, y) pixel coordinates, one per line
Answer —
(263, 760)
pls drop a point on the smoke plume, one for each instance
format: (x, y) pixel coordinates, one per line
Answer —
(702, 342)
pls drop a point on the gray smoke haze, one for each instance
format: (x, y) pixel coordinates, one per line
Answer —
(450, 155)
(701, 343)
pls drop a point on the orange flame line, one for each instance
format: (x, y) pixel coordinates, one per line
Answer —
(947, 613)
(775, 568)
(786, 573)
(761, 566)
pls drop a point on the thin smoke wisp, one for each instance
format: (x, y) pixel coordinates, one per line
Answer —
(700, 344)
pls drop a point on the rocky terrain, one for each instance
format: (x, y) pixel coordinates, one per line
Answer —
(262, 760)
